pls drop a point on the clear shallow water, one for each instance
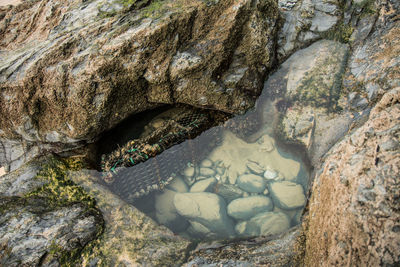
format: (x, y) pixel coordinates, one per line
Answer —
(231, 181)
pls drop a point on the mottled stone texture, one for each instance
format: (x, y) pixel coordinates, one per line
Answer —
(354, 210)
(72, 69)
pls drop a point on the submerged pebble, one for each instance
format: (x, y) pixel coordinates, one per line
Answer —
(206, 185)
(287, 195)
(228, 192)
(207, 172)
(206, 163)
(251, 183)
(270, 174)
(206, 208)
(189, 172)
(255, 168)
(268, 223)
(245, 208)
(166, 213)
(178, 185)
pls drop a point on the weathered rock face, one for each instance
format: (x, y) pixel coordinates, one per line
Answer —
(30, 229)
(37, 228)
(304, 22)
(354, 210)
(83, 66)
(310, 80)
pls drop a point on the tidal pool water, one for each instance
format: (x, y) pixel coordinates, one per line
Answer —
(233, 180)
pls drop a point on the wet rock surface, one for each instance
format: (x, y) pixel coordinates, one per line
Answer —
(130, 237)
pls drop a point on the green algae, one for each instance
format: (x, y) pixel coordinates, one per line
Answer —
(60, 190)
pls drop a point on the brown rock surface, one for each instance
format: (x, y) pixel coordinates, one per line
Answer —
(354, 216)
(72, 69)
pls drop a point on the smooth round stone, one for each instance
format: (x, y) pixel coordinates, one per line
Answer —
(270, 174)
(166, 213)
(178, 185)
(206, 163)
(228, 192)
(240, 228)
(287, 195)
(197, 230)
(198, 178)
(189, 172)
(232, 176)
(206, 185)
(206, 208)
(251, 183)
(245, 208)
(255, 168)
(268, 223)
(207, 172)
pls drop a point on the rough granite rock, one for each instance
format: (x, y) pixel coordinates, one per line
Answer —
(81, 67)
(305, 21)
(21, 181)
(30, 229)
(354, 216)
(35, 230)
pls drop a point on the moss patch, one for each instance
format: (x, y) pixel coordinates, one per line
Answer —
(60, 190)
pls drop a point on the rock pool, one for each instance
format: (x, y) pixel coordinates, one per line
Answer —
(233, 182)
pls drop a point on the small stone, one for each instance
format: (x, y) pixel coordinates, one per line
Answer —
(251, 183)
(189, 172)
(178, 185)
(2, 171)
(207, 172)
(206, 208)
(270, 174)
(228, 192)
(389, 145)
(206, 163)
(287, 195)
(266, 143)
(232, 176)
(255, 168)
(245, 208)
(266, 192)
(197, 230)
(206, 185)
(199, 178)
(166, 213)
(245, 194)
(268, 223)
(240, 228)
